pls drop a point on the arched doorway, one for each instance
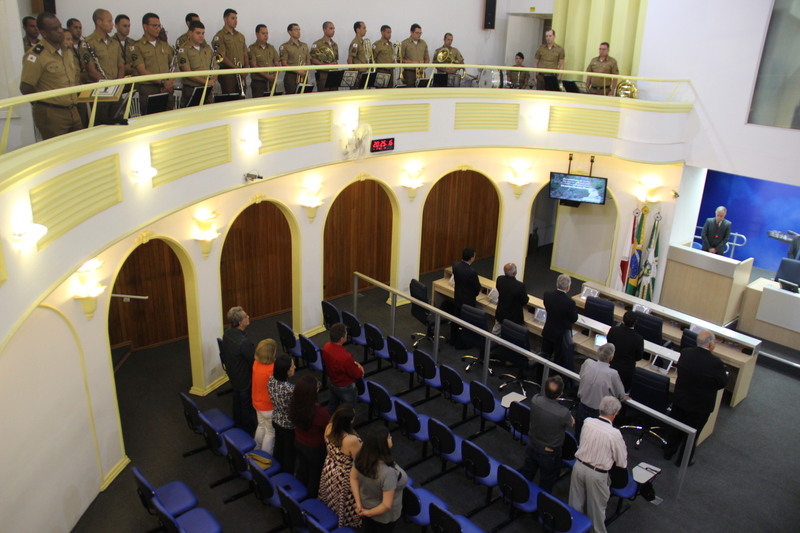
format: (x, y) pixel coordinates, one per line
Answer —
(358, 237)
(461, 210)
(256, 262)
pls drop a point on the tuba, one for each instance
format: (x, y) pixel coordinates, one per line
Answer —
(627, 89)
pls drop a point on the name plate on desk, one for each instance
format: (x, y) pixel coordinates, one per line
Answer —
(779, 308)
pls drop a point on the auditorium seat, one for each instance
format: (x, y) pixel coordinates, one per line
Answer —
(376, 344)
(518, 491)
(175, 496)
(455, 389)
(486, 405)
(427, 372)
(294, 512)
(445, 444)
(313, 357)
(265, 486)
(197, 520)
(330, 314)
(289, 341)
(413, 426)
(416, 505)
(519, 420)
(216, 417)
(557, 516)
(443, 521)
(355, 332)
(401, 359)
(382, 402)
(238, 465)
(481, 469)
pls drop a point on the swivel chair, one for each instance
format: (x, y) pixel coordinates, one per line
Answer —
(599, 309)
(420, 292)
(652, 390)
(688, 339)
(479, 319)
(650, 327)
(519, 335)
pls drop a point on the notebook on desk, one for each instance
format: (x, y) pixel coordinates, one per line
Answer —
(643, 472)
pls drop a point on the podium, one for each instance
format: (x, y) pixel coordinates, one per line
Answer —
(704, 285)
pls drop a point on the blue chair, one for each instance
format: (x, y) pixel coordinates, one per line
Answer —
(176, 496)
(295, 513)
(289, 341)
(427, 372)
(213, 436)
(568, 449)
(519, 421)
(239, 465)
(413, 426)
(454, 389)
(197, 520)
(481, 469)
(356, 332)
(623, 487)
(556, 515)
(443, 521)
(362, 391)
(486, 405)
(382, 402)
(265, 486)
(376, 344)
(316, 527)
(417, 503)
(330, 314)
(521, 494)
(313, 357)
(446, 445)
(402, 360)
(219, 420)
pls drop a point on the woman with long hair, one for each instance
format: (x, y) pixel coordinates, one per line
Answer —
(263, 367)
(377, 483)
(342, 444)
(280, 392)
(309, 419)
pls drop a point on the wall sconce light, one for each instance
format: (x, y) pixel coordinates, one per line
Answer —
(204, 231)
(413, 179)
(143, 175)
(309, 197)
(25, 236)
(250, 143)
(355, 140)
(520, 176)
(88, 286)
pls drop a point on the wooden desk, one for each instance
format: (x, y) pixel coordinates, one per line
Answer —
(755, 324)
(732, 348)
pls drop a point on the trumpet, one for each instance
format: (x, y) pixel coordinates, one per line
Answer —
(419, 72)
(239, 79)
(216, 57)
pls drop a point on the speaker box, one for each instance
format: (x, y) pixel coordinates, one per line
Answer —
(489, 14)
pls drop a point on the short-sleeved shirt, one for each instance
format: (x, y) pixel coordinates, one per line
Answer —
(108, 53)
(549, 57)
(457, 57)
(609, 66)
(371, 491)
(196, 59)
(263, 57)
(280, 393)
(383, 52)
(517, 78)
(318, 46)
(183, 40)
(231, 45)
(124, 47)
(44, 68)
(415, 52)
(357, 52)
(549, 421)
(292, 53)
(156, 56)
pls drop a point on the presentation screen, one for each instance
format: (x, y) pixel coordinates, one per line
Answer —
(577, 188)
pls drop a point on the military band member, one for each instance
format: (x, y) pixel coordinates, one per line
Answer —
(321, 56)
(233, 49)
(44, 67)
(519, 79)
(357, 52)
(602, 64)
(123, 26)
(102, 59)
(294, 52)
(197, 56)
(31, 37)
(184, 39)
(262, 54)
(454, 53)
(414, 50)
(548, 55)
(75, 29)
(383, 52)
(150, 55)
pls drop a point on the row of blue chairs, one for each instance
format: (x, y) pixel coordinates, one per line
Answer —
(176, 506)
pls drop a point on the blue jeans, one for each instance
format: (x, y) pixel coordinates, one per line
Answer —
(340, 395)
(538, 458)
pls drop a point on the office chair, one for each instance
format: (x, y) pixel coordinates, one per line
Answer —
(688, 339)
(555, 515)
(481, 469)
(175, 496)
(420, 292)
(417, 503)
(652, 390)
(599, 309)
(294, 513)
(650, 327)
(197, 520)
(330, 314)
(479, 319)
(520, 336)
(443, 521)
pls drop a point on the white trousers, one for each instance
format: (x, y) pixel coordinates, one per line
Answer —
(265, 433)
(589, 491)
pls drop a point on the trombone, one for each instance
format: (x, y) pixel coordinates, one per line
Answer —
(445, 56)
(368, 54)
(216, 58)
(300, 63)
(239, 79)
(397, 52)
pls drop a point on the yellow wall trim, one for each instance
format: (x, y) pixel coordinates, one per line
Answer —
(184, 155)
(211, 387)
(295, 130)
(483, 116)
(314, 331)
(114, 472)
(584, 121)
(3, 273)
(401, 118)
(65, 201)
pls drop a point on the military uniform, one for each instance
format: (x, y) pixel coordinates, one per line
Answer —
(124, 46)
(414, 52)
(156, 57)
(109, 56)
(317, 52)
(195, 59)
(518, 79)
(262, 57)
(233, 47)
(383, 52)
(44, 68)
(183, 40)
(457, 57)
(602, 86)
(26, 44)
(293, 54)
(548, 58)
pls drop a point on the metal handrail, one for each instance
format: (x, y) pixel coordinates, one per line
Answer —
(691, 433)
(731, 245)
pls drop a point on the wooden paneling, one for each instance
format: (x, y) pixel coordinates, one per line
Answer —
(151, 270)
(461, 210)
(358, 236)
(256, 263)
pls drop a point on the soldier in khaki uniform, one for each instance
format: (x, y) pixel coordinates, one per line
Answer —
(414, 50)
(454, 53)
(262, 54)
(320, 54)
(184, 39)
(31, 37)
(383, 52)
(548, 55)
(602, 64)
(46, 67)
(149, 55)
(357, 52)
(197, 55)
(518, 79)
(123, 25)
(233, 49)
(294, 52)
(102, 59)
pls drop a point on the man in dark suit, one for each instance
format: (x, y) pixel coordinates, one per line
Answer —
(794, 248)
(561, 314)
(700, 375)
(467, 287)
(238, 354)
(716, 232)
(629, 348)
(512, 297)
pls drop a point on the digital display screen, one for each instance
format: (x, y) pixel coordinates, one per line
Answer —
(577, 188)
(382, 145)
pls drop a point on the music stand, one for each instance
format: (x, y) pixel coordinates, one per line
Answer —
(382, 80)
(570, 86)
(366, 80)
(194, 100)
(551, 82)
(453, 80)
(334, 80)
(307, 88)
(157, 103)
(439, 80)
(349, 78)
(227, 97)
(422, 82)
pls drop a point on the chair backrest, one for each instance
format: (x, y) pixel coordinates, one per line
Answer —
(286, 336)
(513, 485)
(519, 416)
(236, 459)
(570, 447)
(309, 350)
(442, 521)
(379, 397)
(481, 396)
(419, 291)
(407, 418)
(688, 339)
(262, 486)
(144, 489)
(619, 477)
(398, 352)
(221, 360)
(213, 440)
(476, 462)
(190, 413)
(441, 437)
(166, 519)
(651, 389)
(424, 365)
(477, 318)
(452, 384)
(649, 327)
(599, 309)
(411, 503)
(515, 334)
(313, 525)
(353, 325)
(330, 314)
(374, 337)
(293, 515)
(553, 513)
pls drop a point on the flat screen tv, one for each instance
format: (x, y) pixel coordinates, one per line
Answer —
(575, 188)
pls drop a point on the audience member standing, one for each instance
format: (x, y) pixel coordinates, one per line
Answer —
(281, 391)
(467, 287)
(561, 314)
(263, 368)
(629, 348)
(602, 447)
(340, 367)
(342, 444)
(598, 380)
(309, 419)
(238, 354)
(512, 298)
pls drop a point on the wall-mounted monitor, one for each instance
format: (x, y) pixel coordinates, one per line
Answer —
(575, 188)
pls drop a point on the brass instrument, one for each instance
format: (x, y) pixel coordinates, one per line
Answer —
(627, 89)
(445, 56)
(397, 52)
(326, 55)
(174, 62)
(238, 64)
(420, 73)
(368, 53)
(301, 62)
(216, 57)
(85, 44)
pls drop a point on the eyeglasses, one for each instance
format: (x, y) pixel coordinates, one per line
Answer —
(154, 25)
